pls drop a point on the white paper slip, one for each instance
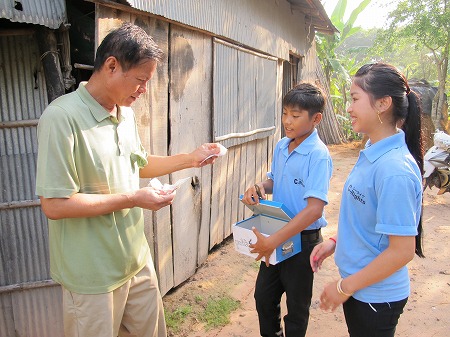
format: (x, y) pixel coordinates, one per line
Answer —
(222, 152)
(167, 188)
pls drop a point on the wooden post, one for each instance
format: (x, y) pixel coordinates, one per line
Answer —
(50, 61)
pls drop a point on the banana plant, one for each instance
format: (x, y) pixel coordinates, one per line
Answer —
(337, 68)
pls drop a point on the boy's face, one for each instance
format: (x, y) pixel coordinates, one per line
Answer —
(297, 123)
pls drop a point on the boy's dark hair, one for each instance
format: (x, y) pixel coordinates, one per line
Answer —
(306, 96)
(130, 45)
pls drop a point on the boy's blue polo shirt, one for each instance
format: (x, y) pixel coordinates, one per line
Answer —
(382, 196)
(304, 173)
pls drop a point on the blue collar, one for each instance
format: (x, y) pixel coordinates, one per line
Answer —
(375, 151)
(305, 147)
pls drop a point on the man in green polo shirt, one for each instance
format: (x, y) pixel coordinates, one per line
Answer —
(90, 159)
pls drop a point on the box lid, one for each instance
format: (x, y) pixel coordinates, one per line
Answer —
(271, 208)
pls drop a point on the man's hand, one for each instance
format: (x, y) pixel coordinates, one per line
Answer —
(206, 154)
(152, 199)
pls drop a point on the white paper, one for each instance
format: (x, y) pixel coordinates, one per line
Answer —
(167, 188)
(222, 152)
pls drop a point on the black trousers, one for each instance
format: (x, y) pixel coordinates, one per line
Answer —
(374, 319)
(294, 277)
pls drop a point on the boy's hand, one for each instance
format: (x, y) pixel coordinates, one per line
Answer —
(262, 246)
(253, 194)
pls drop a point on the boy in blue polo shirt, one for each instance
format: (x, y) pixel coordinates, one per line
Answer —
(299, 178)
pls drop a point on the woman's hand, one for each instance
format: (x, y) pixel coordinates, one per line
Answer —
(330, 298)
(320, 253)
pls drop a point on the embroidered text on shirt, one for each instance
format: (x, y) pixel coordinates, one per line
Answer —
(299, 182)
(356, 194)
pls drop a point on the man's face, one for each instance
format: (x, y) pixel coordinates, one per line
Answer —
(128, 85)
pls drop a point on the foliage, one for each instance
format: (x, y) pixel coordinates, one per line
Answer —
(214, 312)
(413, 62)
(339, 67)
(421, 25)
(328, 44)
(218, 310)
(175, 319)
(416, 40)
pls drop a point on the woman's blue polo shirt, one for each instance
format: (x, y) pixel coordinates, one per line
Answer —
(304, 173)
(382, 196)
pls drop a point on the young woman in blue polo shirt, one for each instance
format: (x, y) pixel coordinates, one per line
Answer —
(380, 217)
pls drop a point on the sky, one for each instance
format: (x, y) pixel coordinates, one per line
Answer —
(374, 15)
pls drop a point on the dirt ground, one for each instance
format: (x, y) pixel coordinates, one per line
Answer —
(227, 272)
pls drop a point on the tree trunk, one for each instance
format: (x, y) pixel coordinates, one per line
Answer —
(329, 128)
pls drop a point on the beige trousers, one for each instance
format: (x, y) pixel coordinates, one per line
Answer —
(133, 310)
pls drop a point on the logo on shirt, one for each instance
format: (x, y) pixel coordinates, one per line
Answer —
(299, 182)
(358, 196)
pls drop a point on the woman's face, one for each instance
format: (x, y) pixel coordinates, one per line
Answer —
(363, 115)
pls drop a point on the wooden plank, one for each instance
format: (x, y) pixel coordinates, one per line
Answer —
(108, 19)
(242, 180)
(259, 159)
(152, 118)
(216, 230)
(228, 189)
(250, 170)
(234, 181)
(226, 192)
(221, 200)
(190, 55)
(265, 163)
(204, 230)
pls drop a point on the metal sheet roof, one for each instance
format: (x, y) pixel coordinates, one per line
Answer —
(276, 28)
(49, 13)
(313, 11)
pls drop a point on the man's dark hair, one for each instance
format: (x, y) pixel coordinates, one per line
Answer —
(130, 45)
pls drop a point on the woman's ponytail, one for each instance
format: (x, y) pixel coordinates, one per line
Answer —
(412, 127)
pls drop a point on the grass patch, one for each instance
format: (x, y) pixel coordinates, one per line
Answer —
(175, 319)
(217, 311)
(256, 264)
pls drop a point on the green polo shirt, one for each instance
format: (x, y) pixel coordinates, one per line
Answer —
(83, 149)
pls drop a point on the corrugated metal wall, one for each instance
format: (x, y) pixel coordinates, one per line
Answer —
(23, 228)
(49, 13)
(244, 94)
(266, 25)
